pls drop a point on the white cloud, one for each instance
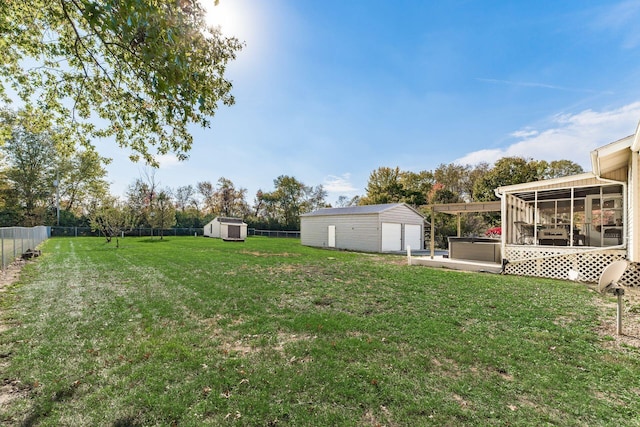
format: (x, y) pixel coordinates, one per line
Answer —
(524, 133)
(339, 184)
(619, 19)
(569, 136)
(168, 160)
(541, 86)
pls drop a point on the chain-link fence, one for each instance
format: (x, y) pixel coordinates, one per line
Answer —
(273, 233)
(142, 231)
(15, 241)
(136, 232)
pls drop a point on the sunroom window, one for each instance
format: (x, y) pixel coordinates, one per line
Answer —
(579, 216)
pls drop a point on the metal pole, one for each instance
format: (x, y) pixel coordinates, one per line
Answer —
(432, 246)
(619, 292)
(56, 183)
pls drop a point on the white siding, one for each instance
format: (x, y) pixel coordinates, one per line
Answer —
(220, 230)
(358, 231)
(212, 229)
(353, 232)
(401, 215)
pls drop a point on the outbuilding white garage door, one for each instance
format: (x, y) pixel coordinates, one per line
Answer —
(391, 237)
(412, 237)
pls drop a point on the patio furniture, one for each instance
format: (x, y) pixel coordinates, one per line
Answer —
(553, 236)
(525, 233)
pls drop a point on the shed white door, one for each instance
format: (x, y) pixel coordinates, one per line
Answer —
(412, 237)
(391, 237)
(331, 238)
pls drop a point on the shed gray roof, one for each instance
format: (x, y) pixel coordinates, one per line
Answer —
(358, 210)
(221, 219)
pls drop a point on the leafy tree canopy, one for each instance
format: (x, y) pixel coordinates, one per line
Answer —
(145, 68)
(506, 171)
(290, 199)
(384, 186)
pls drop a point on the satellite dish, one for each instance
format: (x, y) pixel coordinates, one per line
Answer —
(609, 282)
(611, 274)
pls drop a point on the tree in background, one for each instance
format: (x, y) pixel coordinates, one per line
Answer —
(460, 179)
(451, 177)
(81, 178)
(183, 197)
(474, 174)
(229, 201)
(207, 193)
(111, 218)
(344, 201)
(35, 162)
(506, 171)
(148, 69)
(30, 174)
(162, 214)
(384, 186)
(557, 169)
(140, 199)
(187, 207)
(518, 170)
(416, 187)
(31, 158)
(288, 201)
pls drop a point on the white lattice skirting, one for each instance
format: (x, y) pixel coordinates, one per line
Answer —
(555, 263)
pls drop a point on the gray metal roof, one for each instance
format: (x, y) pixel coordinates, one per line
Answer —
(221, 219)
(358, 210)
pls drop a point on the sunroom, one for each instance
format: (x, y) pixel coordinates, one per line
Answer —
(554, 226)
(576, 213)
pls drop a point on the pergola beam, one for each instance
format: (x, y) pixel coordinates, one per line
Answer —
(457, 208)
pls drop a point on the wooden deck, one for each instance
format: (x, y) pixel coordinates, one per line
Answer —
(456, 264)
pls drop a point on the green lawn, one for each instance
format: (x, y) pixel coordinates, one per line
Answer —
(192, 331)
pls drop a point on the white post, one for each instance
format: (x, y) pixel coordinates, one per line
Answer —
(408, 255)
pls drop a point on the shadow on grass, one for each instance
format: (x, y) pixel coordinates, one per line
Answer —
(126, 422)
(43, 409)
(154, 240)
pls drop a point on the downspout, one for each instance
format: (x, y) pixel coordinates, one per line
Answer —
(634, 201)
(635, 205)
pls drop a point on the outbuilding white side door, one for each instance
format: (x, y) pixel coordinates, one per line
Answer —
(331, 238)
(412, 237)
(391, 237)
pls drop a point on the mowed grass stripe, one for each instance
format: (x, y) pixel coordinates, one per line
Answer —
(195, 331)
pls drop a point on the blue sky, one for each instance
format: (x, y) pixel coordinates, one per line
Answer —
(327, 91)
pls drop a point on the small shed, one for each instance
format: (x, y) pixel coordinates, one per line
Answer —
(370, 228)
(229, 229)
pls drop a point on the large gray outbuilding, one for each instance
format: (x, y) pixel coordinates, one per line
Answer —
(370, 228)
